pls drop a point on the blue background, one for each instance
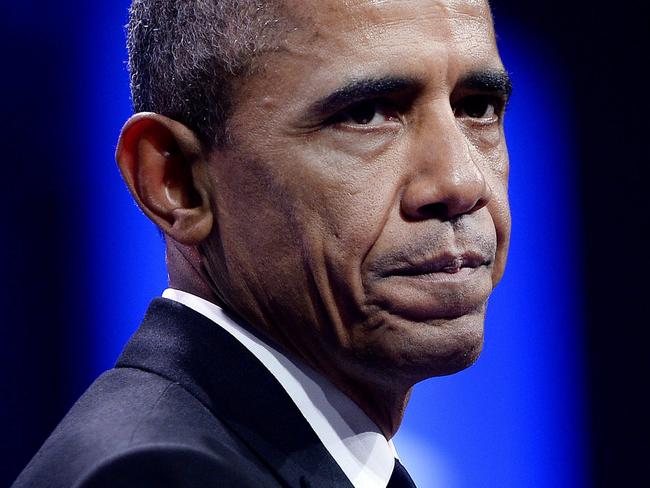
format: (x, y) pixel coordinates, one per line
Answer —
(82, 263)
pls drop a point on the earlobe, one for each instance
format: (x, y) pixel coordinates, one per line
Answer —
(161, 161)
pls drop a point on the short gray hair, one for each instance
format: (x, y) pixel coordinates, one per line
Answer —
(185, 55)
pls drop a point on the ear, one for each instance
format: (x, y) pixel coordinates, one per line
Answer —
(163, 164)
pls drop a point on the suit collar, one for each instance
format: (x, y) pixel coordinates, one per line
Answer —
(186, 347)
(347, 433)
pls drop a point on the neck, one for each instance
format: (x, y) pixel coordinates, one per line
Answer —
(184, 268)
(383, 402)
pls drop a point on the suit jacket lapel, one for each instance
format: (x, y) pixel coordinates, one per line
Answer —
(186, 347)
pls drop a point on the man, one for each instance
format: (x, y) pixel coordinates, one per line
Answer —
(331, 180)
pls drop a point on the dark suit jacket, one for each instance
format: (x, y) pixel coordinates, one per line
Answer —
(186, 406)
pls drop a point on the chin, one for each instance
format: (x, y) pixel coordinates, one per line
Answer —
(449, 347)
(460, 357)
(414, 351)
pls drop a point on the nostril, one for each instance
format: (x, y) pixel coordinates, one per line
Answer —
(438, 210)
(447, 210)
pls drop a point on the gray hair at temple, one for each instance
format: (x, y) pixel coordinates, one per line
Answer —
(185, 57)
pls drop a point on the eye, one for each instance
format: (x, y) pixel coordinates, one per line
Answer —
(369, 113)
(479, 107)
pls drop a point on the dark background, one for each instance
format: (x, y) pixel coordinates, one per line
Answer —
(602, 48)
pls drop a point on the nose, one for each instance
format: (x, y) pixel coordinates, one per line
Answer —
(447, 182)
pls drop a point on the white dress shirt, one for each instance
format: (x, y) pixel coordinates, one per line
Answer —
(353, 440)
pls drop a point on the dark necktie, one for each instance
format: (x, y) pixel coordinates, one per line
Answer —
(400, 477)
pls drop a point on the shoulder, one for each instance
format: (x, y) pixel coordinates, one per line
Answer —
(136, 428)
(173, 466)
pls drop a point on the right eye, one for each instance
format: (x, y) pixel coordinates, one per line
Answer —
(480, 107)
(369, 113)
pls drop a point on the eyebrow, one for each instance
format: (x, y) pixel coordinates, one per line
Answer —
(495, 81)
(363, 89)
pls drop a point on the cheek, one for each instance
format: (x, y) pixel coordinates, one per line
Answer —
(257, 234)
(330, 186)
(499, 208)
(321, 208)
(490, 152)
(351, 201)
(344, 205)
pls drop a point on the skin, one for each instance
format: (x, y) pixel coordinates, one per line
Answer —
(366, 241)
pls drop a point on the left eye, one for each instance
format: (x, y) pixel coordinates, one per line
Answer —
(477, 107)
(368, 113)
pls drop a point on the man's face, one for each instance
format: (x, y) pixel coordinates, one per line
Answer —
(361, 211)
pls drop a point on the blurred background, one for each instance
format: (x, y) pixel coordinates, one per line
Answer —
(556, 400)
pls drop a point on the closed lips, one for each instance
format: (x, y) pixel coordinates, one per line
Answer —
(446, 263)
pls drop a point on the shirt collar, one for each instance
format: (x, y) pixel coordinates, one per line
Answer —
(352, 439)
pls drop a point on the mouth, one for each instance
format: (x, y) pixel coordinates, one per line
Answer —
(438, 266)
(444, 285)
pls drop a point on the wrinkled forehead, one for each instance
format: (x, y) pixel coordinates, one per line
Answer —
(453, 32)
(450, 16)
(336, 28)
(328, 43)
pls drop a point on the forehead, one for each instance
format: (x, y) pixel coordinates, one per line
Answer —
(346, 14)
(372, 22)
(334, 41)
